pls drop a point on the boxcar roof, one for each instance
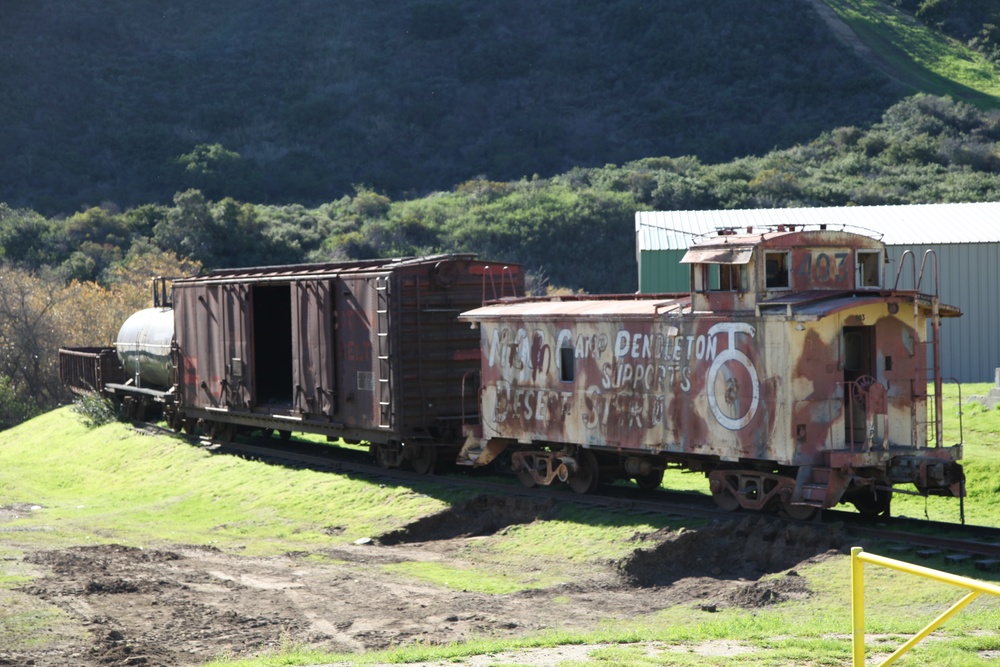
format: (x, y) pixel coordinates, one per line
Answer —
(300, 271)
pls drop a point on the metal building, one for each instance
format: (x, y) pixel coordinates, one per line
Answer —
(965, 239)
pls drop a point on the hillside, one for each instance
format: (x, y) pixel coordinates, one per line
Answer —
(297, 100)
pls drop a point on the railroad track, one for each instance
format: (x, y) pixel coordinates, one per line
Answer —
(956, 544)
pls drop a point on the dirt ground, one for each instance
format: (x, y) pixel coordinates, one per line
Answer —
(186, 605)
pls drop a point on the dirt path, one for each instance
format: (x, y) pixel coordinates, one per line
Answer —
(185, 605)
(848, 37)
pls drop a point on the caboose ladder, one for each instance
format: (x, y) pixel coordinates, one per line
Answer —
(928, 367)
(382, 336)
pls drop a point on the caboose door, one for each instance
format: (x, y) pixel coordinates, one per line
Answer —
(859, 375)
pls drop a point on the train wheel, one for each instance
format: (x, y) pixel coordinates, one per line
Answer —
(873, 505)
(285, 435)
(725, 500)
(526, 478)
(651, 481)
(724, 491)
(424, 459)
(387, 455)
(176, 421)
(798, 512)
(586, 477)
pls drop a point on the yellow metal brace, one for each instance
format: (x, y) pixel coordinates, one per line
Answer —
(859, 558)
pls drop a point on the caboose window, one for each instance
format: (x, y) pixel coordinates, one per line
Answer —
(567, 364)
(730, 277)
(776, 270)
(869, 268)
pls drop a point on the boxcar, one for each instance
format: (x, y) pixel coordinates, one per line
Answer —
(367, 351)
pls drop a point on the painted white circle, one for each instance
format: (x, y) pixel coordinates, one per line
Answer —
(737, 357)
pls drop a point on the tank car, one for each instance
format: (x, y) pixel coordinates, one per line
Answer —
(791, 375)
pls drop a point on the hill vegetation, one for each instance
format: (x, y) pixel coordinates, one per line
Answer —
(297, 100)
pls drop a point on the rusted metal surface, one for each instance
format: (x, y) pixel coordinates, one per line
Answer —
(87, 369)
(365, 350)
(780, 371)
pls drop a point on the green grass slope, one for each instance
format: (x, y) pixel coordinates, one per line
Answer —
(923, 59)
(115, 484)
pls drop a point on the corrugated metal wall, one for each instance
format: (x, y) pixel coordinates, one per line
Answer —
(969, 276)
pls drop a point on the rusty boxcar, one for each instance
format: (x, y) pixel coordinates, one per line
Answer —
(366, 351)
(793, 375)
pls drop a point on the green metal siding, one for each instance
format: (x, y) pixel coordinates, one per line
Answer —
(662, 271)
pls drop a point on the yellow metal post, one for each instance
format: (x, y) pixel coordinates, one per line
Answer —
(857, 607)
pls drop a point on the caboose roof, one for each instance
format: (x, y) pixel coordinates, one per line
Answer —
(738, 248)
(817, 304)
(621, 307)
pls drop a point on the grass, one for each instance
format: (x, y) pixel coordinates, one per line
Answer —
(113, 484)
(919, 57)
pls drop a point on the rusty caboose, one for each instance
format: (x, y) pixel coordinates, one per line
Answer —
(792, 375)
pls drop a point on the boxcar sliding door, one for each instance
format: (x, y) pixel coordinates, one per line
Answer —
(213, 342)
(313, 347)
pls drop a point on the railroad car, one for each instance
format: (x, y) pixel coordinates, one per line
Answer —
(369, 351)
(794, 375)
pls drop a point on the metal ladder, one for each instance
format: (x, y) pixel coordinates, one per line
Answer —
(928, 363)
(383, 351)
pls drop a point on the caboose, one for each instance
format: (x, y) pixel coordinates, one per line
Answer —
(795, 375)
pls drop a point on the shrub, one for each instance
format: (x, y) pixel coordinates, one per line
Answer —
(95, 409)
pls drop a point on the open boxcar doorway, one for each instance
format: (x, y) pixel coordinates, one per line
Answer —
(272, 344)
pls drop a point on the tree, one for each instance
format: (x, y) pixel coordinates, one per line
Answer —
(29, 335)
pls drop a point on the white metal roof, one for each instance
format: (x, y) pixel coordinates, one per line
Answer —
(912, 224)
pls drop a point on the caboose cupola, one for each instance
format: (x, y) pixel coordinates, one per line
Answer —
(737, 272)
